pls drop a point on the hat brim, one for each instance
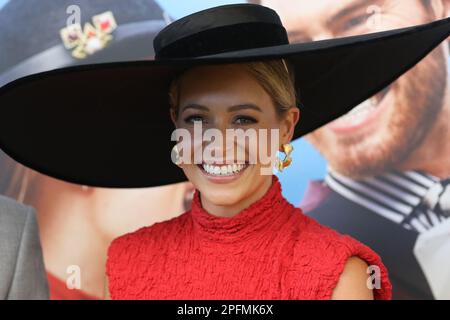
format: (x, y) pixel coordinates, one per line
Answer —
(108, 125)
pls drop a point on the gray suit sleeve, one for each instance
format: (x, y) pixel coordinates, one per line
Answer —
(29, 277)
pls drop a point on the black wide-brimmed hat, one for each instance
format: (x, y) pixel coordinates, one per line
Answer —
(109, 124)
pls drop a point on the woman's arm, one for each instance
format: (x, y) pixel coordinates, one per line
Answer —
(352, 284)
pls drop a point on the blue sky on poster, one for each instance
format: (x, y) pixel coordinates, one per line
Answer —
(3, 2)
(177, 9)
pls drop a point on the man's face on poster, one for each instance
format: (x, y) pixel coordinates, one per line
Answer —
(383, 131)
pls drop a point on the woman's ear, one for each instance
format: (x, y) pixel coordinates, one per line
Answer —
(289, 123)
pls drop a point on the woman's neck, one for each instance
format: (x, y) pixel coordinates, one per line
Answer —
(228, 211)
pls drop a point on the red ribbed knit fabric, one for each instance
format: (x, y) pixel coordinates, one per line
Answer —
(270, 250)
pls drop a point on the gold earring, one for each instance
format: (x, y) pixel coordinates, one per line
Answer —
(281, 164)
(176, 155)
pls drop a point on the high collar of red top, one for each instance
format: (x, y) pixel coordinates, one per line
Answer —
(266, 213)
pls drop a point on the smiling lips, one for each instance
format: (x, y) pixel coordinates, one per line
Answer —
(223, 170)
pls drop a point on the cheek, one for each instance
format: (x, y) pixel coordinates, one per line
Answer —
(268, 143)
(191, 172)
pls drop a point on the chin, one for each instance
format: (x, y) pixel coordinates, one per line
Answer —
(224, 188)
(222, 196)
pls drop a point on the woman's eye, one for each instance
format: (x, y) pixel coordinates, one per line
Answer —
(194, 118)
(245, 120)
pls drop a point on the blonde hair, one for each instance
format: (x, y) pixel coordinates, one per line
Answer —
(275, 76)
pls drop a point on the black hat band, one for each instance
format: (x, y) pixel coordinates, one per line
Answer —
(218, 30)
(224, 39)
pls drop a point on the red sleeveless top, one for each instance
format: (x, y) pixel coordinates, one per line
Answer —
(270, 250)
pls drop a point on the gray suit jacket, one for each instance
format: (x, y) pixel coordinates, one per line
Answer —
(22, 271)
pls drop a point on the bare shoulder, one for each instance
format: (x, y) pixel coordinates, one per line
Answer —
(341, 264)
(352, 284)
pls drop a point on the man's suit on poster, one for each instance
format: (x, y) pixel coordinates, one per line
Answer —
(22, 271)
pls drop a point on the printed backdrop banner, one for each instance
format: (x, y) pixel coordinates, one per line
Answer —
(377, 173)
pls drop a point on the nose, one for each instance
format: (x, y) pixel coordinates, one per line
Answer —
(221, 148)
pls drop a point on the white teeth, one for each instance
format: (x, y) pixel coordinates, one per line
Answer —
(224, 170)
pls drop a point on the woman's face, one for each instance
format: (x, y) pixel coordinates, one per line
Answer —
(228, 97)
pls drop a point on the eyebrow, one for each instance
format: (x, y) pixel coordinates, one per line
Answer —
(349, 9)
(230, 109)
(194, 106)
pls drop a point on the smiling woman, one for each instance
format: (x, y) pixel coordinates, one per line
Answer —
(255, 96)
(239, 223)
